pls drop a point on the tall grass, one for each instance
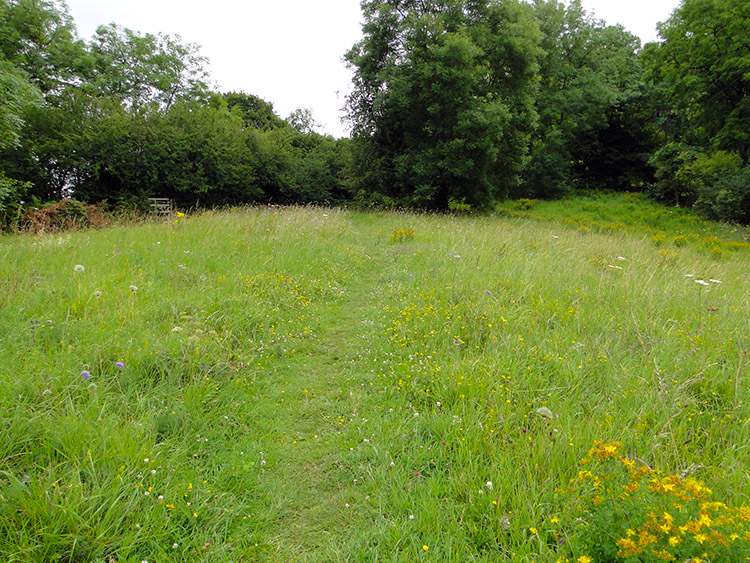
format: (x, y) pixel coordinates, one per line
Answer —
(313, 384)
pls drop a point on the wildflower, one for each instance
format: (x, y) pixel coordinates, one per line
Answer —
(533, 530)
(584, 559)
(120, 365)
(488, 484)
(544, 412)
(79, 268)
(425, 548)
(411, 517)
(133, 288)
(175, 546)
(97, 294)
(85, 374)
(700, 538)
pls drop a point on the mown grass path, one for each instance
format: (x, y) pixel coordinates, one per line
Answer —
(306, 482)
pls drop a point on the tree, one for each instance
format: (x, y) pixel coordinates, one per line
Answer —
(139, 70)
(434, 87)
(588, 72)
(703, 69)
(39, 38)
(17, 94)
(302, 120)
(254, 111)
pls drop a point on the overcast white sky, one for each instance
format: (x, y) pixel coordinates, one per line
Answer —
(289, 52)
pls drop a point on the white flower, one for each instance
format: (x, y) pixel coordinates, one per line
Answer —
(715, 281)
(488, 484)
(97, 294)
(175, 546)
(78, 268)
(702, 282)
(411, 517)
(133, 288)
(544, 412)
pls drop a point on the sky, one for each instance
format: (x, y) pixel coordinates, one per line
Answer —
(290, 52)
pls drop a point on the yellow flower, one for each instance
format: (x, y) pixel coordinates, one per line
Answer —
(425, 548)
(584, 559)
(533, 530)
(674, 540)
(700, 538)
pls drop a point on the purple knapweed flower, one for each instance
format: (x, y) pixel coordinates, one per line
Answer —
(85, 374)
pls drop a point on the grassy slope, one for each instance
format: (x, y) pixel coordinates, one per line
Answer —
(296, 387)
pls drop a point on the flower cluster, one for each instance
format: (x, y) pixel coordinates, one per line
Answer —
(629, 512)
(401, 235)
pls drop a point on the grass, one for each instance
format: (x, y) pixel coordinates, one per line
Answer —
(308, 384)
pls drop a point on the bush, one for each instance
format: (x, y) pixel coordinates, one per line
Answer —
(629, 512)
(12, 195)
(715, 184)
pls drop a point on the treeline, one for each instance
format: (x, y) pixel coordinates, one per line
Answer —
(469, 101)
(456, 104)
(126, 116)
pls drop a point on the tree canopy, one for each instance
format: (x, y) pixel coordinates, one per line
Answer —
(455, 104)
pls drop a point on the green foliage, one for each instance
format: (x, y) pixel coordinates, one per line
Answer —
(625, 512)
(16, 93)
(138, 70)
(703, 71)
(431, 108)
(12, 196)
(254, 111)
(39, 38)
(588, 76)
(716, 184)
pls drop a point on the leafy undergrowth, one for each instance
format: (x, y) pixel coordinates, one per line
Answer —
(308, 384)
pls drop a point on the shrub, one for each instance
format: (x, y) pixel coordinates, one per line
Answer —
(12, 195)
(629, 512)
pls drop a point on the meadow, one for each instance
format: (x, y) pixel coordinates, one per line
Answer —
(547, 383)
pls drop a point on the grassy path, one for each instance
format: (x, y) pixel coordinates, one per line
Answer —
(308, 483)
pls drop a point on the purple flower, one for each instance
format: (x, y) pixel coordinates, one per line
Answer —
(120, 365)
(489, 292)
(85, 373)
